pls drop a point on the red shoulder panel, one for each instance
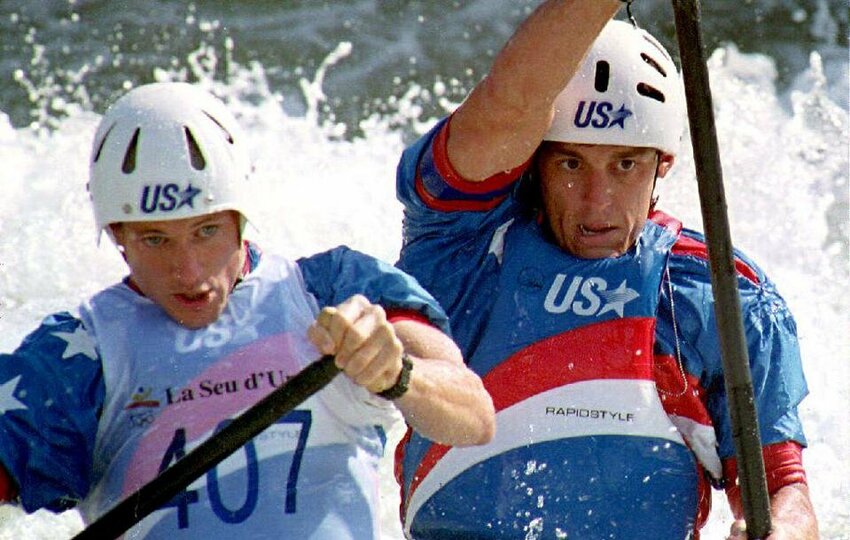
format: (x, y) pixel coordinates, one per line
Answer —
(689, 246)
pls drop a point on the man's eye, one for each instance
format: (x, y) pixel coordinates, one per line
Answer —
(627, 164)
(208, 230)
(153, 241)
(571, 164)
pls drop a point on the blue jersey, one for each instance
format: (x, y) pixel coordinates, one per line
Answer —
(594, 439)
(96, 405)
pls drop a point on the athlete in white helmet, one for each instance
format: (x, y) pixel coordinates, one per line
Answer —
(95, 403)
(530, 215)
(172, 135)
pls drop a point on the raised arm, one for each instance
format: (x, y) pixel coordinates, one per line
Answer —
(503, 120)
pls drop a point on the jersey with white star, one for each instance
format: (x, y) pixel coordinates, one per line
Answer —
(59, 395)
(512, 295)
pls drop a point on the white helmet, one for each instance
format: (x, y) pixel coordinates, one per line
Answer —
(626, 93)
(167, 151)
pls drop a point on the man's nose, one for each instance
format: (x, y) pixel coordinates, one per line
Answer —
(598, 191)
(187, 268)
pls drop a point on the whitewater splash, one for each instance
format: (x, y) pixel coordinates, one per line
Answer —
(785, 166)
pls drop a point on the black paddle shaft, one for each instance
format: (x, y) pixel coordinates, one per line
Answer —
(208, 454)
(727, 306)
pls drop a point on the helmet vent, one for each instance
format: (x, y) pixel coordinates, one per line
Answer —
(655, 65)
(603, 76)
(227, 134)
(102, 142)
(196, 157)
(129, 163)
(657, 46)
(650, 92)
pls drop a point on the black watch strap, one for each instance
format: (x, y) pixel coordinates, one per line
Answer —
(400, 387)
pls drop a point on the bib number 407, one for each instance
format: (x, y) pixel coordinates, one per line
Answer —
(177, 450)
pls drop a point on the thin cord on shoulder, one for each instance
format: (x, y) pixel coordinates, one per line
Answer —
(676, 340)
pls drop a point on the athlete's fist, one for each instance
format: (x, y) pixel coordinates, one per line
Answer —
(363, 342)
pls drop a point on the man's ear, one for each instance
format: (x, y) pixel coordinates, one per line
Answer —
(665, 163)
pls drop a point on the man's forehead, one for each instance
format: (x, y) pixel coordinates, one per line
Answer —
(177, 224)
(577, 149)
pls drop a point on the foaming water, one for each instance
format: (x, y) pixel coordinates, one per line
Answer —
(786, 180)
(786, 183)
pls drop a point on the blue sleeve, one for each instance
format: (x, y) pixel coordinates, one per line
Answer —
(422, 173)
(51, 394)
(779, 384)
(451, 241)
(335, 276)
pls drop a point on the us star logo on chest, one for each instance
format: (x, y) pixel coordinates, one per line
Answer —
(587, 296)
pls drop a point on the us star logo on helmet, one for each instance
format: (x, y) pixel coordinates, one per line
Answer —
(600, 115)
(167, 197)
(620, 116)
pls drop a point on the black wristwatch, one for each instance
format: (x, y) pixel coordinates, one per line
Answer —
(400, 387)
